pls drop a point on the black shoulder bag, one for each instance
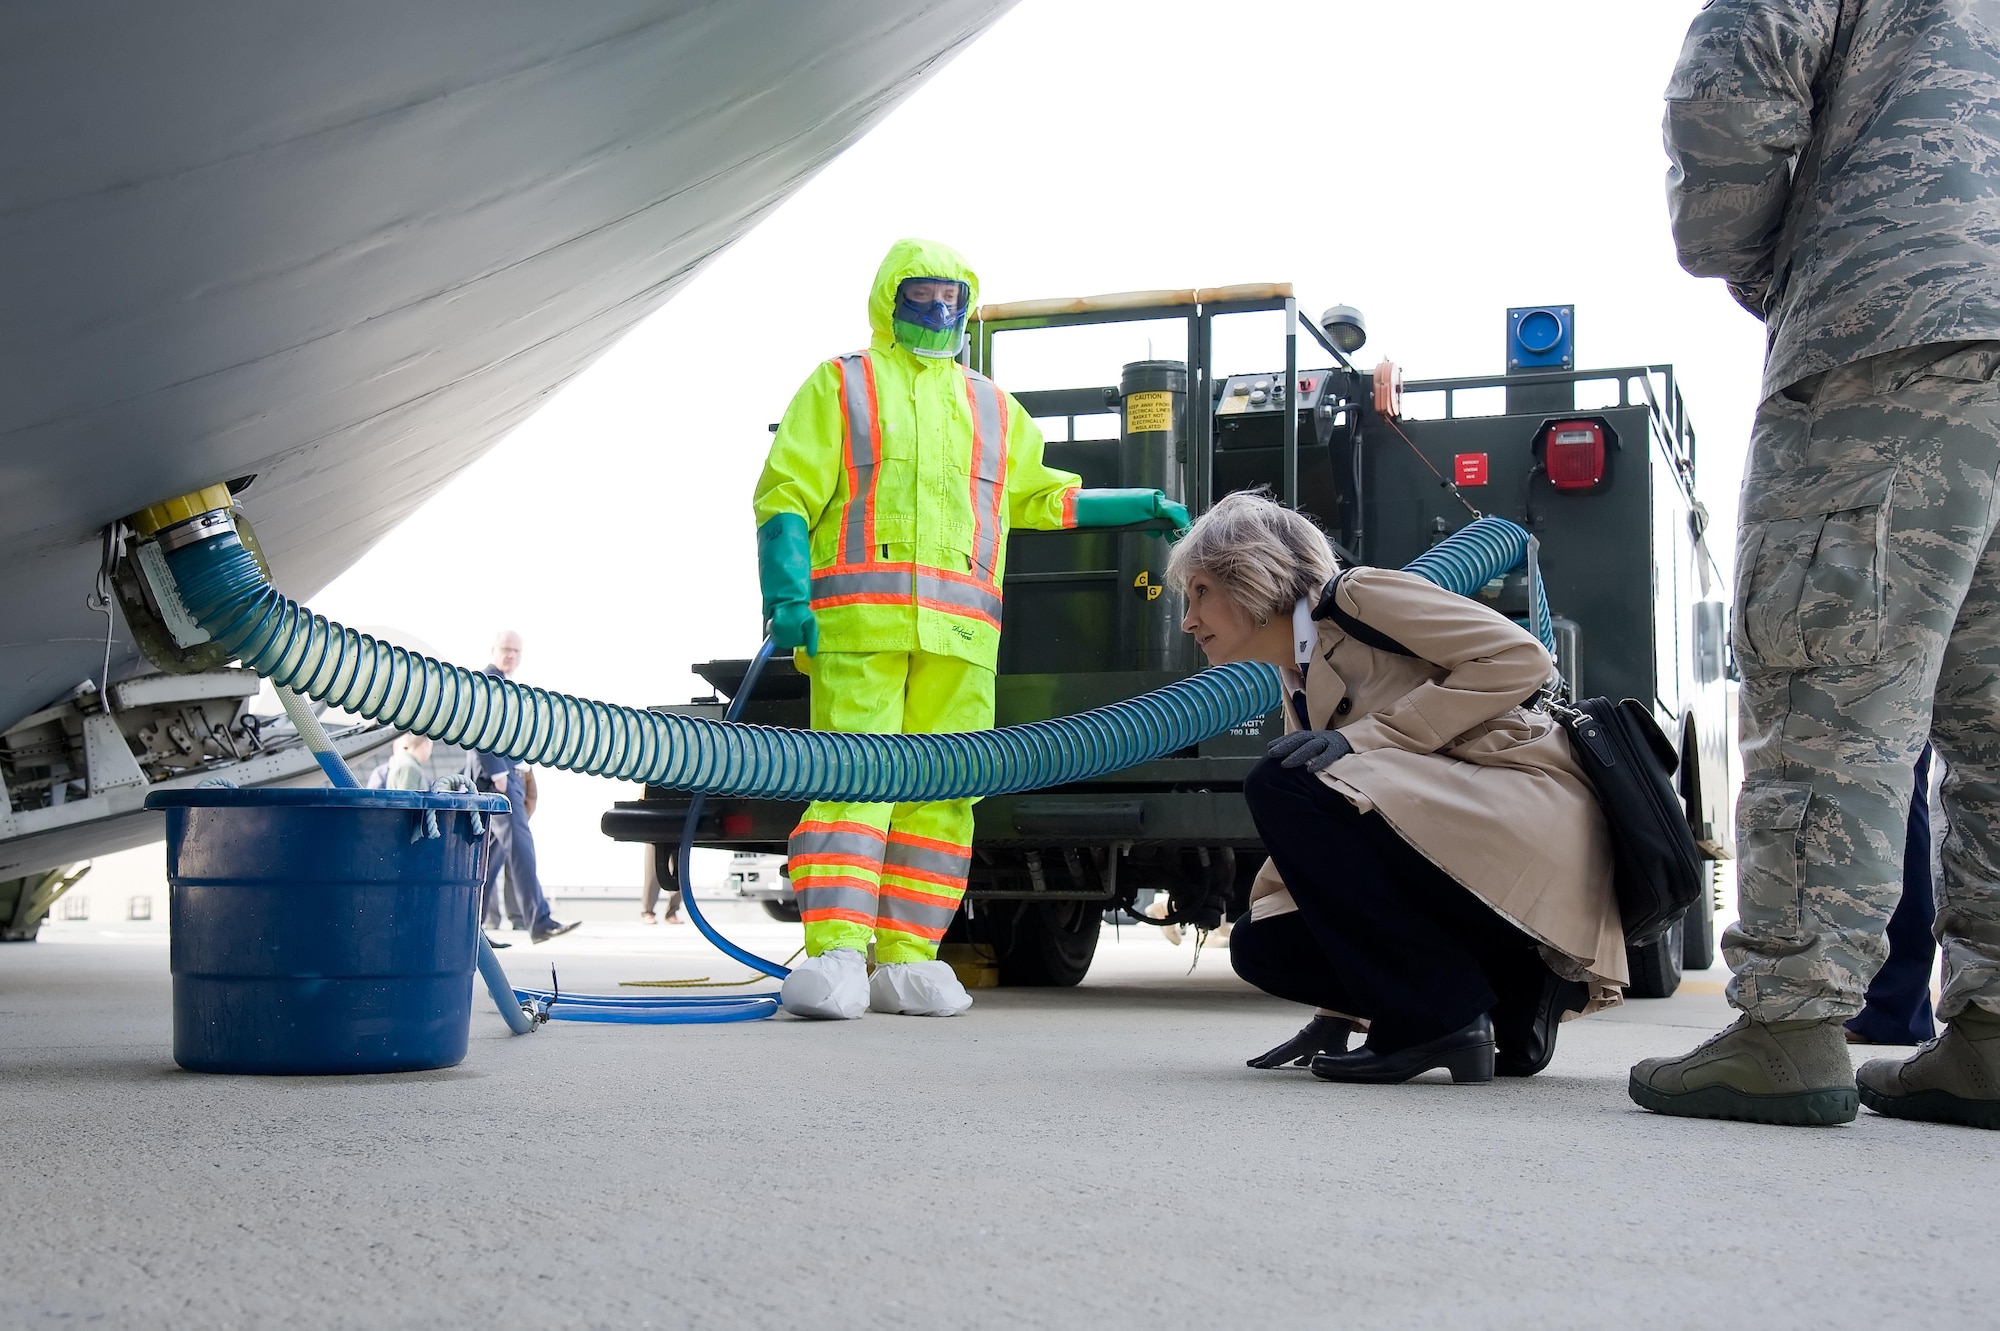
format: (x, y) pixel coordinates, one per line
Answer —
(1656, 866)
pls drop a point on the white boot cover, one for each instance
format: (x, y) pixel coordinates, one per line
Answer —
(917, 989)
(832, 986)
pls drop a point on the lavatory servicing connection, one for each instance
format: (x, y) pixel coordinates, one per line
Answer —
(210, 587)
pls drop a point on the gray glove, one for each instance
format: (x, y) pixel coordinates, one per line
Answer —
(1314, 750)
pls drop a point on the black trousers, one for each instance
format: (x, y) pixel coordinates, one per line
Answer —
(1380, 932)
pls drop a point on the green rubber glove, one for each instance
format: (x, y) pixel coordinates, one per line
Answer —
(784, 576)
(1123, 508)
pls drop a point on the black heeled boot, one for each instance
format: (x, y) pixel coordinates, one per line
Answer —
(1525, 1031)
(1466, 1053)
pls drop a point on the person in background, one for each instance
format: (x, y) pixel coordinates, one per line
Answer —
(513, 841)
(1833, 162)
(649, 893)
(405, 769)
(406, 765)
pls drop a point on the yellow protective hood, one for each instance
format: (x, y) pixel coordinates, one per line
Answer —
(913, 258)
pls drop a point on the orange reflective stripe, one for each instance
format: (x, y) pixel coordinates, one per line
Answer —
(862, 449)
(929, 935)
(925, 916)
(876, 584)
(958, 593)
(1069, 506)
(899, 838)
(830, 843)
(875, 450)
(923, 858)
(923, 896)
(818, 915)
(801, 882)
(988, 469)
(843, 825)
(799, 862)
(924, 879)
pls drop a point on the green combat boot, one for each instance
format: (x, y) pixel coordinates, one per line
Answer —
(1795, 1073)
(1952, 1079)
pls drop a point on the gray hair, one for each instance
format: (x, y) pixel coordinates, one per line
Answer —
(1266, 556)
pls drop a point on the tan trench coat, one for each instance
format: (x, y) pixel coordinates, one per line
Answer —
(1488, 790)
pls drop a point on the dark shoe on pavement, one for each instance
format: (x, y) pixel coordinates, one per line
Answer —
(1321, 1035)
(554, 930)
(1793, 1073)
(490, 943)
(1525, 1031)
(1953, 1079)
(1466, 1053)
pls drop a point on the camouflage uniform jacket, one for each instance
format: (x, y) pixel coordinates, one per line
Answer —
(1838, 162)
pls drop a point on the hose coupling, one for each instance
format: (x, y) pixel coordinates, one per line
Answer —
(185, 519)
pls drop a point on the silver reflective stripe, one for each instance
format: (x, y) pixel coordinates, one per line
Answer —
(951, 864)
(857, 899)
(932, 919)
(860, 455)
(964, 595)
(990, 445)
(893, 582)
(836, 843)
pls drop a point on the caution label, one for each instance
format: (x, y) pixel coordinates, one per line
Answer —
(1149, 411)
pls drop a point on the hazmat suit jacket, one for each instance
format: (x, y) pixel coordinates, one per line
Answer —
(909, 473)
(1834, 160)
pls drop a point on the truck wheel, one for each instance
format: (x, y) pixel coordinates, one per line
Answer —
(785, 911)
(1698, 928)
(1656, 967)
(1046, 944)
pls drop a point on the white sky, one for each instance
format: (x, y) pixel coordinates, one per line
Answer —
(1432, 163)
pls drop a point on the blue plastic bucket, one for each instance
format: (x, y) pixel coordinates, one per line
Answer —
(322, 931)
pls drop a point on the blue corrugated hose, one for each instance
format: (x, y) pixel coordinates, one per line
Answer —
(283, 641)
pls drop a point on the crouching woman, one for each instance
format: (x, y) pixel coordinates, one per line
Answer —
(1440, 872)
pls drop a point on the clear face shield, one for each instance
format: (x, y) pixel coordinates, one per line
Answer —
(930, 316)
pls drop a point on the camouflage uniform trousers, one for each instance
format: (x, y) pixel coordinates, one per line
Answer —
(1868, 621)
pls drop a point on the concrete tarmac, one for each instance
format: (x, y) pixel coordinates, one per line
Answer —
(1096, 1157)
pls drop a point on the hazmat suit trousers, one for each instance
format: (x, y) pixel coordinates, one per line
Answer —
(1867, 622)
(890, 874)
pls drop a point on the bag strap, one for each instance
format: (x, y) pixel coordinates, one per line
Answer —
(1328, 608)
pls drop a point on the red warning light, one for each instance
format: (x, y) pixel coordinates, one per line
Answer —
(736, 824)
(1574, 455)
(1469, 468)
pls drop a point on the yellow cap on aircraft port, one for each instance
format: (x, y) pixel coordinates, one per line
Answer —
(155, 518)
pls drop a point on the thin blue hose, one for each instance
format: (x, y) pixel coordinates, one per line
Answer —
(681, 863)
(688, 1011)
(699, 1009)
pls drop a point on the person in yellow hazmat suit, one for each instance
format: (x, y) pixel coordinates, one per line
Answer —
(882, 520)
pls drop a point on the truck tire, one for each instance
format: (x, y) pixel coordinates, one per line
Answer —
(1698, 928)
(1041, 944)
(786, 912)
(1656, 967)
